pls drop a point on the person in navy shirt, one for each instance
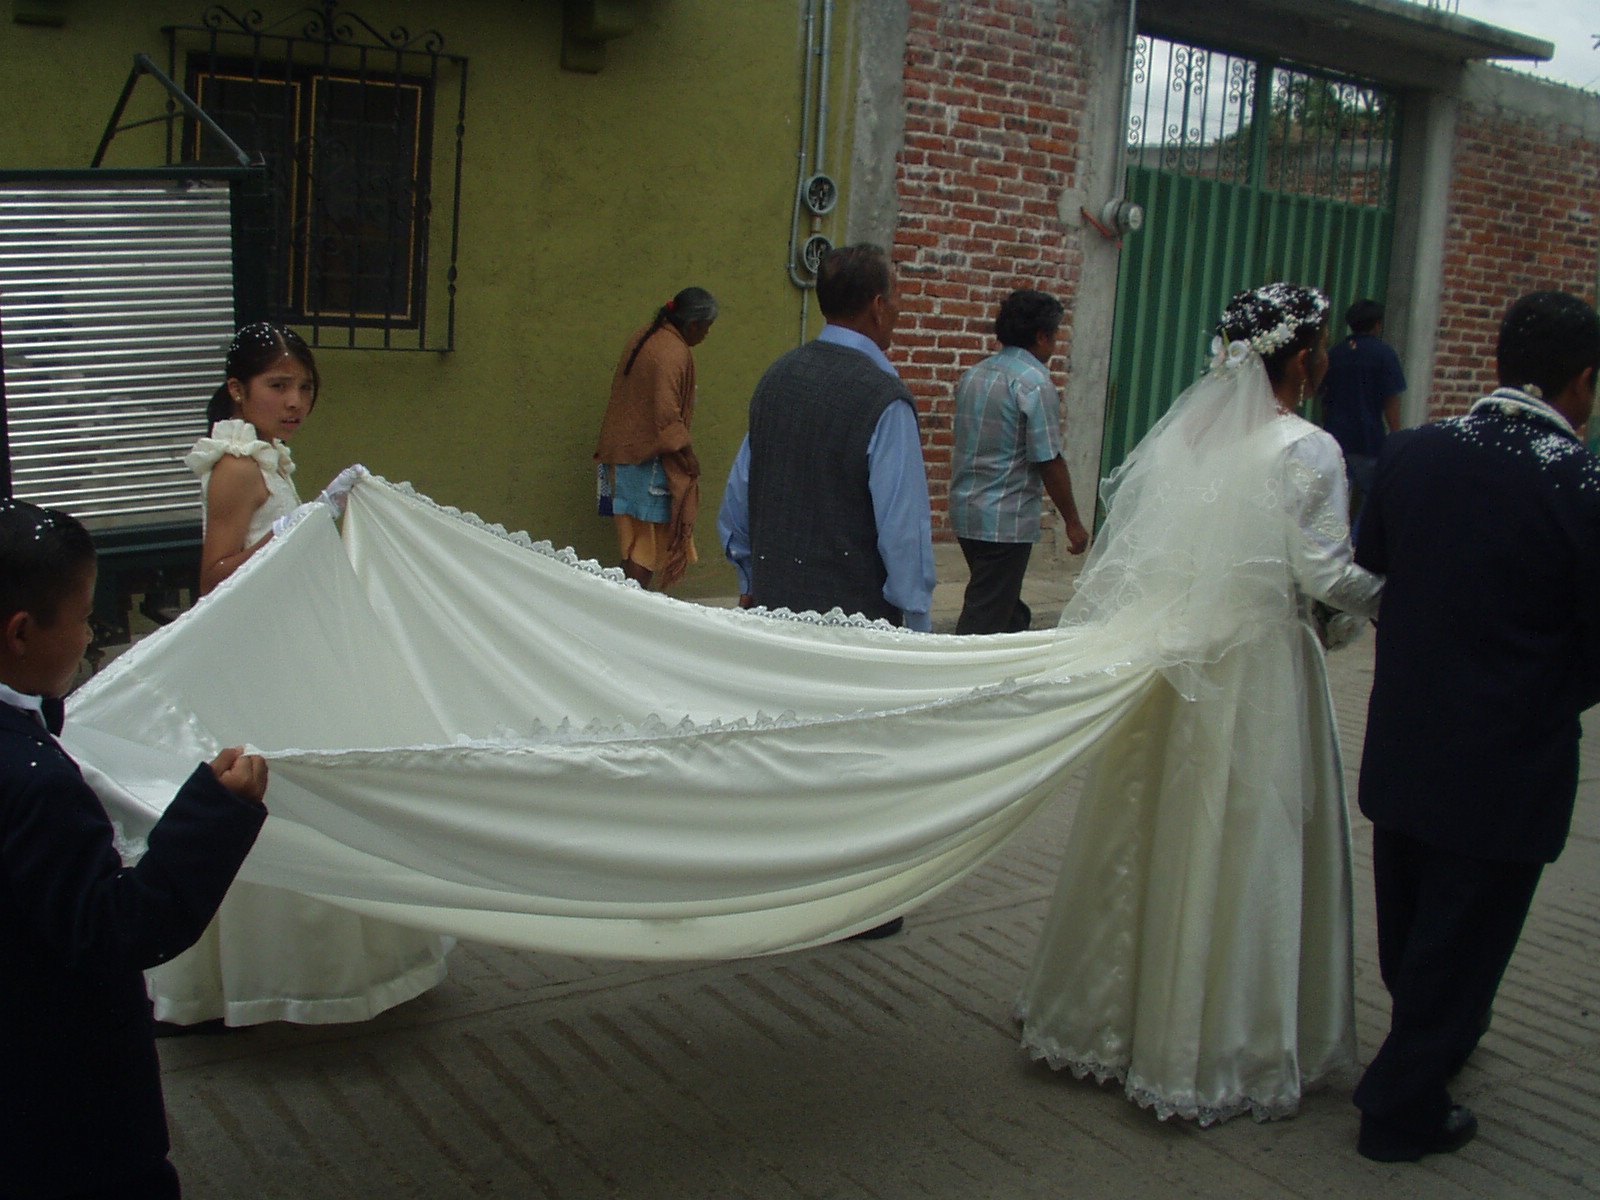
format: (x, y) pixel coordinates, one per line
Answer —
(81, 1111)
(1361, 396)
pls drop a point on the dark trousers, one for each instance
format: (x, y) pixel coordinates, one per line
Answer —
(993, 602)
(1447, 924)
(159, 1182)
(1359, 472)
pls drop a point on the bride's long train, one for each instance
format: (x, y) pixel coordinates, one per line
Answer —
(474, 734)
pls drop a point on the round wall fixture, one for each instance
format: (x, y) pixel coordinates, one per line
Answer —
(821, 194)
(814, 251)
(1124, 216)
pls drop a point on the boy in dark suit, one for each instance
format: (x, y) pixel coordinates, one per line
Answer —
(81, 1112)
(1487, 527)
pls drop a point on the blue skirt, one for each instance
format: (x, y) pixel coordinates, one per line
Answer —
(640, 491)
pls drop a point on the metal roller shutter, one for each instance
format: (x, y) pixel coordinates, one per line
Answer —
(116, 305)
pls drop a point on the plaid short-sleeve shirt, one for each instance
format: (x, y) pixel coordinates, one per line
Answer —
(1007, 424)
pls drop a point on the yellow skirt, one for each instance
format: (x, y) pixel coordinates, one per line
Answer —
(645, 542)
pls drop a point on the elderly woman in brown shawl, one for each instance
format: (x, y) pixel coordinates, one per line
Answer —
(649, 475)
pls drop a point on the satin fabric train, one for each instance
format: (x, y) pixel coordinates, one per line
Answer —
(473, 734)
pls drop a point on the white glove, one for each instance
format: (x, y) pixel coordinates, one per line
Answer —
(337, 494)
(1337, 629)
(291, 518)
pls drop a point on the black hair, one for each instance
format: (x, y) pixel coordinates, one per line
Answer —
(1287, 316)
(43, 555)
(1024, 315)
(253, 351)
(1547, 339)
(851, 278)
(1363, 316)
(688, 307)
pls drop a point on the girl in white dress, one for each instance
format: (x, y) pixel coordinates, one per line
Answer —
(246, 474)
(272, 955)
(1198, 948)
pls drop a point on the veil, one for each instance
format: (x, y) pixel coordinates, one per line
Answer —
(1193, 558)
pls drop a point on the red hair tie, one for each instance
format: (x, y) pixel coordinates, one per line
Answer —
(672, 306)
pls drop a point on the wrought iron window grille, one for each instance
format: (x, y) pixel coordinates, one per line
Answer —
(364, 183)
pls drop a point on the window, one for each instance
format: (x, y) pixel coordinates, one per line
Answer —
(358, 249)
(350, 184)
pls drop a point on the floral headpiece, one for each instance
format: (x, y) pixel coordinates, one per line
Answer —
(1267, 319)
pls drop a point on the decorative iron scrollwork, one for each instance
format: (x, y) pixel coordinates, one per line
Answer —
(323, 22)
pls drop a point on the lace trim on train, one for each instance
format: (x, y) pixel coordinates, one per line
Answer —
(569, 557)
(597, 731)
(1165, 1105)
(539, 735)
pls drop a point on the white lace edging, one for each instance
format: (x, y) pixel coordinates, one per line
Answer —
(540, 737)
(1165, 1105)
(567, 556)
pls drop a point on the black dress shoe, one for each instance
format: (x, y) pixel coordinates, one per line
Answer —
(887, 929)
(1385, 1143)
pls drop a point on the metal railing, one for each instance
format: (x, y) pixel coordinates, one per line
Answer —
(1287, 128)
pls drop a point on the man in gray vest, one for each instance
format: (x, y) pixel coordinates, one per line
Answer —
(827, 503)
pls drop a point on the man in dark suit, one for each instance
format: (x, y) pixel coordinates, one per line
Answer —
(1487, 527)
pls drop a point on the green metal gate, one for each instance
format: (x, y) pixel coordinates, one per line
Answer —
(1248, 172)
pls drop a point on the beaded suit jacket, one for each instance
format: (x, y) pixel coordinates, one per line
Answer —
(80, 1085)
(1488, 529)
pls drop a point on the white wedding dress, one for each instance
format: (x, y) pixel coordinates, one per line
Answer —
(1198, 947)
(275, 955)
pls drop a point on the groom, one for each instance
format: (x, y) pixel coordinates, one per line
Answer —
(1488, 529)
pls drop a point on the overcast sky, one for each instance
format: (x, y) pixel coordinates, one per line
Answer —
(1570, 24)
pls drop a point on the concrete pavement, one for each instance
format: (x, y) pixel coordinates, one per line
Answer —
(866, 1069)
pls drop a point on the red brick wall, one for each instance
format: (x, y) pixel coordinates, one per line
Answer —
(995, 98)
(1524, 216)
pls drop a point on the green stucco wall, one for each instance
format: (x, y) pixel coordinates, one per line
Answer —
(587, 201)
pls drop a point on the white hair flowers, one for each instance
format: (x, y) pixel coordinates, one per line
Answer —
(1268, 318)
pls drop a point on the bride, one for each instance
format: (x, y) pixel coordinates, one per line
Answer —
(1198, 948)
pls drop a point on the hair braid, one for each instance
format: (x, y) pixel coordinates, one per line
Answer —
(662, 314)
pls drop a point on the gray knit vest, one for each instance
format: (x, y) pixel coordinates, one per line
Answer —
(813, 536)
